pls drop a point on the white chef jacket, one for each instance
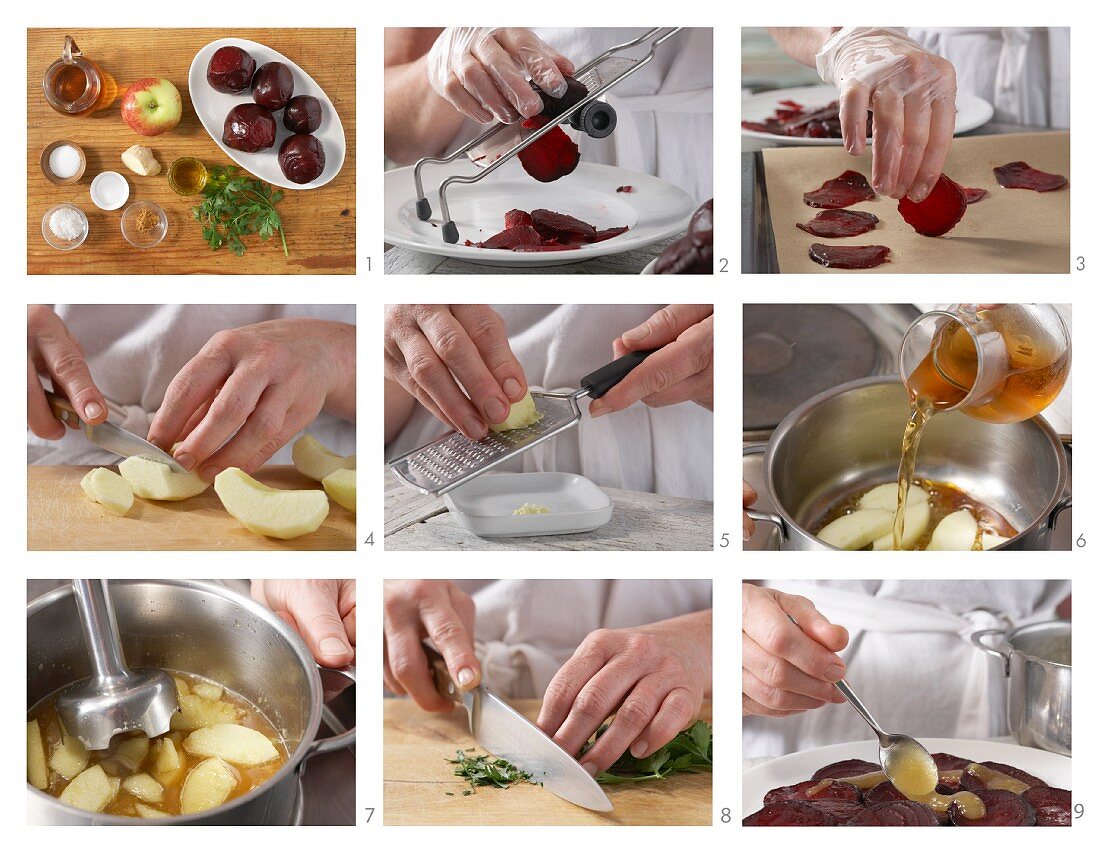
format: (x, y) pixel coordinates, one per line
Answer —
(666, 450)
(135, 350)
(910, 659)
(528, 628)
(665, 111)
(1023, 71)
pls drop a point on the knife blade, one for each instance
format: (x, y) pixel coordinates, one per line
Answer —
(506, 734)
(109, 436)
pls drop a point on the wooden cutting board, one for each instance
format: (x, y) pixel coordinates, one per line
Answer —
(61, 517)
(417, 778)
(320, 223)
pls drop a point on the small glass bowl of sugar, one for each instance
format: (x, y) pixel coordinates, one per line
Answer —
(65, 227)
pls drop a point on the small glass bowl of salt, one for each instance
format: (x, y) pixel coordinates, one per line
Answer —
(65, 227)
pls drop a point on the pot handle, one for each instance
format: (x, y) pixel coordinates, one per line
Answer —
(341, 740)
(764, 516)
(1067, 499)
(976, 640)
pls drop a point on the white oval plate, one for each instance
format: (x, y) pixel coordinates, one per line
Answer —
(211, 106)
(973, 112)
(653, 211)
(796, 767)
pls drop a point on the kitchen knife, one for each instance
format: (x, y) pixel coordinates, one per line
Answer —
(110, 437)
(506, 734)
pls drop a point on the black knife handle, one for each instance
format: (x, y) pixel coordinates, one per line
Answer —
(441, 676)
(603, 379)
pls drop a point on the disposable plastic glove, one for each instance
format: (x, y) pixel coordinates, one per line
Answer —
(912, 95)
(483, 72)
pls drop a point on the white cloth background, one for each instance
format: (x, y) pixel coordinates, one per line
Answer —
(134, 352)
(667, 450)
(910, 659)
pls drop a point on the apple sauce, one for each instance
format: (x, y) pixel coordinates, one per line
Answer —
(220, 746)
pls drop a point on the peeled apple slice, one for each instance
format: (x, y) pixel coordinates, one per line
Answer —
(340, 486)
(69, 758)
(916, 524)
(991, 540)
(957, 531)
(207, 786)
(315, 460)
(91, 790)
(145, 787)
(153, 480)
(886, 496)
(109, 489)
(37, 774)
(856, 530)
(232, 742)
(522, 414)
(268, 511)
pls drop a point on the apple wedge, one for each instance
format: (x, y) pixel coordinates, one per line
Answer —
(207, 786)
(37, 773)
(232, 742)
(69, 758)
(886, 496)
(992, 539)
(268, 511)
(109, 489)
(153, 480)
(856, 530)
(315, 460)
(209, 691)
(957, 531)
(522, 414)
(917, 517)
(131, 752)
(144, 787)
(148, 812)
(340, 486)
(91, 790)
(196, 711)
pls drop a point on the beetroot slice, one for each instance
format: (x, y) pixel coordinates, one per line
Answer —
(513, 237)
(973, 196)
(789, 814)
(813, 790)
(842, 811)
(844, 191)
(1053, 807)
(1002, 809)
(881, 793)
(849, 257)
(950, 762)
(972, 782)
(896, 814)
(608, 233)
(839, 223)
(939, 212)
(845, 768)
(551, 157)
(551, 224)
(515, 218)
(1019, 175)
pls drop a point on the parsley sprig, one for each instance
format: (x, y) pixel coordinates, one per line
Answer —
(691, 751)
(235, 205)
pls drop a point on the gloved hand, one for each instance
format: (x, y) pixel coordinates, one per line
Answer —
(483, 71)
(912, 95)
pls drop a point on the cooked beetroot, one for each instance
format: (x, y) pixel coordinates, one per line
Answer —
(845, 768)
(1019, 175)
(545, 230)
(516, 218)
(249, 127)
(1053, 807)
(513, 237)
(849, 256)
(554, 155)
(838, 223)
(849, 188)
(272, 86)
(814, 790)
(974, 195)
(550, 225)
(896, 814)
(881, 793)
(939, 212)
(302, 114)
(789, 814)
(230, 69)
(950, 762)
(302, 158)
(972, 782)
(1002, 809)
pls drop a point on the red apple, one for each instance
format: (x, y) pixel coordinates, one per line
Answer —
(152, 106)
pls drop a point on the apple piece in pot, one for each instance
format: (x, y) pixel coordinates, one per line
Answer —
(249, 127)
(302, 114)
(302, 158)
(230, 69)
(273, 85)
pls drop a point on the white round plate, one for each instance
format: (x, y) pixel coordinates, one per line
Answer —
(650, 266)
(972, 112)
(796, 767)
(211, 106)
(653, 211)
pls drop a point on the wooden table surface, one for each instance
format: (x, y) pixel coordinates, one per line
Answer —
(405, 261)
(320, 223)
(639, 521)
(417, 778)
(61, 517)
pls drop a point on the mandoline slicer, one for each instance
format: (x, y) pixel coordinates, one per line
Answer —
(453, 459)
(595, 118)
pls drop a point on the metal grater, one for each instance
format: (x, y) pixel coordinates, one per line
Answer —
(453, 459)
(598, 76)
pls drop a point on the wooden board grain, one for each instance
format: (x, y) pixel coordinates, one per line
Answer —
(320, 223)
(417, 778)
(61, 517)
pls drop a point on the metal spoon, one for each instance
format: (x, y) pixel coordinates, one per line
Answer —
(114, 699)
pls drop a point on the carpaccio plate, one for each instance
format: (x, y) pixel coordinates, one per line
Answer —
(795, 768)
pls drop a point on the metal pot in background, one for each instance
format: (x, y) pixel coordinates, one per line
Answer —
(849, 438)
(1038, 666)
(205, 628)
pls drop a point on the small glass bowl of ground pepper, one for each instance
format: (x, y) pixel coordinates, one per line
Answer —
(144, 224)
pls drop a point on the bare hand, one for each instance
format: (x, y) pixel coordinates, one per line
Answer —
(653, 678)
(322, 611)
(54, 352)
(785, 668)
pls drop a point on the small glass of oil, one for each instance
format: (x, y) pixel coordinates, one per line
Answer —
(187, 176)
